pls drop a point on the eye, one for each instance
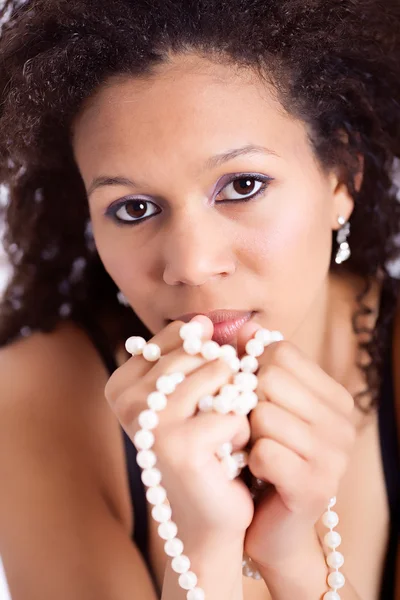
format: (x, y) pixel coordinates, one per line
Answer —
(245, 187)
(132, 211)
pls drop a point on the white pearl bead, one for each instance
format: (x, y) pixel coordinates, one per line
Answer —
(335, 559)
(135, 345)
(192, 345)
(177, 378)
(180, 564)
(246, 382)
(332, 502)
(233, 364)
(249, 398)
(151, 477)
(196, 594)
(148, 419)
(254, 348)
(240, 458)
(156, 495)
(331, 596)
(143, 439)
(190, 330)
(151, 352)
(156, 401)
(168, 530)
(330, 518)
(188, 581)
(332, 539)
(211, 350)
(228, 352)
(336, 579)
(173, 547)
(225, 450)
(249, 364)
(146, 459)
(245, 403)
(206, 403)
(231, 467)
(276, 336)
(165, 384)
(161, 512)
(229, 391)
(263, 336)
(222, 404)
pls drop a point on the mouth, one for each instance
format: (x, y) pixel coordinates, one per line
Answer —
(227, 323)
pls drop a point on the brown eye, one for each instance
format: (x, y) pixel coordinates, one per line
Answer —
(134, 211)
(243, 188)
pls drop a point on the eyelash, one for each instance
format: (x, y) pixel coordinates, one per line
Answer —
(114, 208)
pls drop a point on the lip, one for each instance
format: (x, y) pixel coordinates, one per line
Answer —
(227, 323)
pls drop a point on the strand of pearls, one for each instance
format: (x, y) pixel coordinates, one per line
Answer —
(334, 559)
(238, 397)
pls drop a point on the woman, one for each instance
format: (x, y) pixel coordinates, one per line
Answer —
(227, 161)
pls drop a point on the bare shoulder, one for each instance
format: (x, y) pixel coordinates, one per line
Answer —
(52, 396)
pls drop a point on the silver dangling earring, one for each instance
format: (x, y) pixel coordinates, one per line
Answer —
(343, 252)
(121, 299)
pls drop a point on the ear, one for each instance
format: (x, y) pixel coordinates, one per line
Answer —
(343, 202)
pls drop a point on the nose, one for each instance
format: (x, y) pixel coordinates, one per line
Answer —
(196, 250)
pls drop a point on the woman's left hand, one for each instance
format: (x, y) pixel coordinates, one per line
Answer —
(302, 437)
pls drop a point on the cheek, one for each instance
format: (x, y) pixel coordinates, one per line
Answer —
(295, 236)
(292, 248)
(124, 261)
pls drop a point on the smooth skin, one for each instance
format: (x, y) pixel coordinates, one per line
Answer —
(199, 250)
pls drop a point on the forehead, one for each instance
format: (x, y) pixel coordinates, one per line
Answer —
(189, 106)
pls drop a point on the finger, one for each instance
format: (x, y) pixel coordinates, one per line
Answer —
(273, 422)
(291, 359)
(217, 429)
(182, 403)
(245, 334)
(137, 367)
(287, 471)
(280, 387)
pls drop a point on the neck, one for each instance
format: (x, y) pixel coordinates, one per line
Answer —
(326, 335)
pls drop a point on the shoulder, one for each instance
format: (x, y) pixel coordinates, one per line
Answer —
(52, 395)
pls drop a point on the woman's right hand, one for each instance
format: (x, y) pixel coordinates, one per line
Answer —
(205, 503)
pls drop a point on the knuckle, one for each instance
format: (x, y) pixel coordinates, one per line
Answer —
(258, 415)
(259, 455)
(125, 407)
(269, 376)
(219, 369)
(110, 390)
(282, 353)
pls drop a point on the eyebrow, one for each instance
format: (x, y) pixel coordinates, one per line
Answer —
(211, 163)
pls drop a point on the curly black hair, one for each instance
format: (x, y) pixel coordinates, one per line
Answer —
(335, 64)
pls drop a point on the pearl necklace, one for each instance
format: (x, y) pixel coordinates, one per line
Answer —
(238, 397)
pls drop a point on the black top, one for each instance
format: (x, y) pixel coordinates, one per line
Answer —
(389, 443)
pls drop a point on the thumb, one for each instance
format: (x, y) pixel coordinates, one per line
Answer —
(245, 334)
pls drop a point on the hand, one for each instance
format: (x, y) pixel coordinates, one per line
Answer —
(301, 439)
(205, 504)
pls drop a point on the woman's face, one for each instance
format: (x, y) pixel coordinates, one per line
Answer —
(204, 195)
